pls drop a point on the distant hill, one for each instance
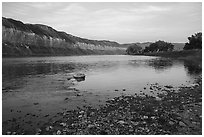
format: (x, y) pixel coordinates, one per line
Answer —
(19, 39)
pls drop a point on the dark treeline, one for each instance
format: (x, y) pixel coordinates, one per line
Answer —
(133, 49)
(195, 42)
(159, 46)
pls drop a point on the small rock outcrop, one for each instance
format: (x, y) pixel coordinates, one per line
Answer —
(79, 77)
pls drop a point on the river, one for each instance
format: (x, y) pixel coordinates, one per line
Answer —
(35, 88)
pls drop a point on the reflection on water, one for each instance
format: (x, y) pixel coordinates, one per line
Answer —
(22, 70)
(193, 68)
(46, 81)
(160, 64)
(137, 66)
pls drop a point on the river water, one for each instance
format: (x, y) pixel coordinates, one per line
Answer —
(35, 88)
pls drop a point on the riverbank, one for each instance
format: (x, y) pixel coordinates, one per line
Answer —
(175, 111)
(191, 55)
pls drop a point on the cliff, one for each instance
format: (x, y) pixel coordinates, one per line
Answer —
(19, 39)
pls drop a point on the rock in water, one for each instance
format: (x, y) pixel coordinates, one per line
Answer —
(168, 86)
(79, 77)
(69, 77)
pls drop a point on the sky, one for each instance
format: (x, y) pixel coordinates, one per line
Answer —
(117, 21)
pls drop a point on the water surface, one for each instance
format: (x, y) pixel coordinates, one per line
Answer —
(39, 85)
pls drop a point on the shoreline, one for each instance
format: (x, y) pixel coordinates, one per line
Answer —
(173, 111)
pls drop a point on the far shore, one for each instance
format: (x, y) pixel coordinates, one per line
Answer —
(189, 55)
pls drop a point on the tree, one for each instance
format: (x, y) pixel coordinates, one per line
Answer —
(159, 46)
(133, 49)
(195, 42)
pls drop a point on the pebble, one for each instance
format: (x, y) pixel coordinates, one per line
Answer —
(35, 103)
(103, 132)
(63, 124)
(200, 116)
(145, 117)
(135, 123)
(153, 117)
(168, 86)
(144, 122)
(194, 122)
(92, 113)
(46, 115)
(58, 132)
(121, 122)
(38, 130)
(80, 116)
(91, 126)
(182, 124)
(66, 98)
(158, 99)
(193, 85)
(81, 112)
(156, 110)
(131, 130)
(48, 128)
(8, 132)
(178, 118)
(69, 78)
(79, 94)
(171, 122)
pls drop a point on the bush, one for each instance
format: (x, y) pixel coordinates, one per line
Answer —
(195, 42)
(159, 46)
(133, 49)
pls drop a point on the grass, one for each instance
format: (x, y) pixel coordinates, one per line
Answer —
(176, 54)
(194, 56)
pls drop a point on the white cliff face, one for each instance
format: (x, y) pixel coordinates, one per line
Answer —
(16, 36)
(96, 47)
(29, 41)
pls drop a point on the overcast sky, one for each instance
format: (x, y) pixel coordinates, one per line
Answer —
(121, 22)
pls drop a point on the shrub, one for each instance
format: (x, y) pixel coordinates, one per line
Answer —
(159, 46)
(195, 42)
(133, 49)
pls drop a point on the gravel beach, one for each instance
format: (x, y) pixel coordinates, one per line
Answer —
(174, 111)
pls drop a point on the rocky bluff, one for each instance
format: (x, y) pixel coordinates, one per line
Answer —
(19, 39)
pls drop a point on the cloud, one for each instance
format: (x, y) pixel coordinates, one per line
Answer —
(72, 8)
(122, 22)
